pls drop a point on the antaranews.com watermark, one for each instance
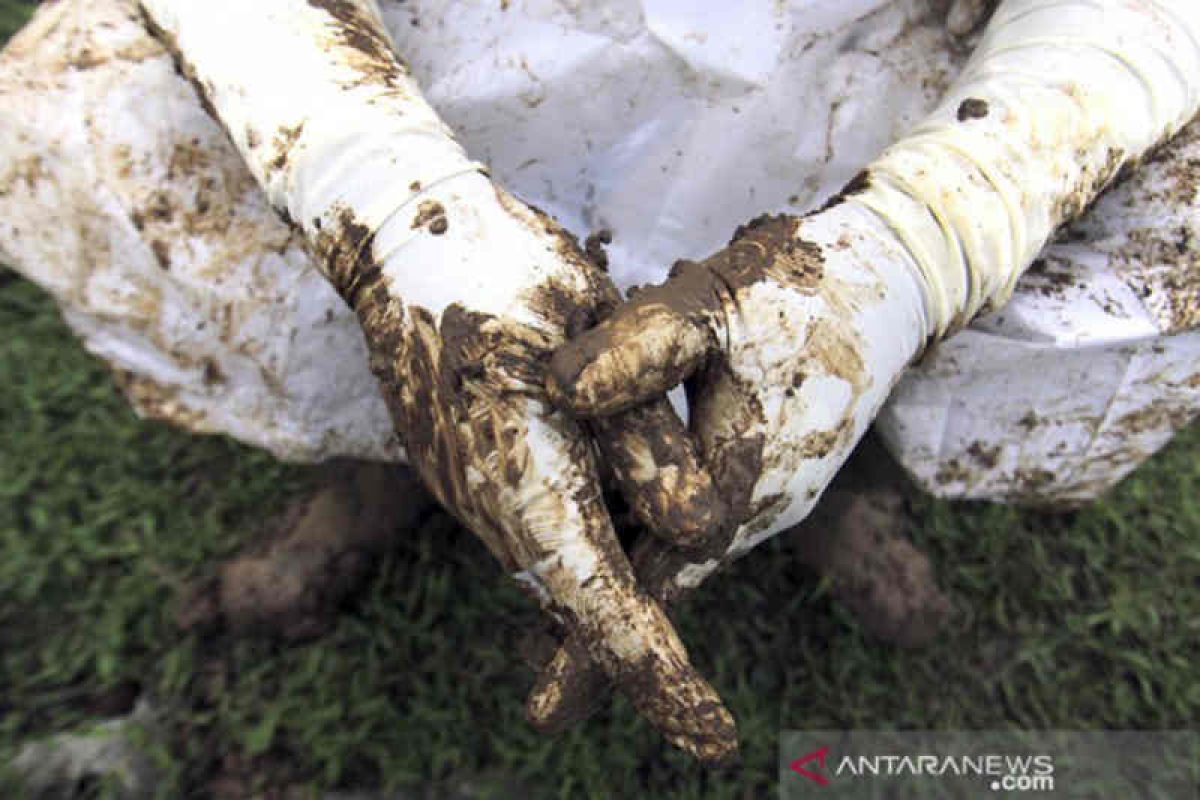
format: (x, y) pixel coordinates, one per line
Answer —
(989, 764)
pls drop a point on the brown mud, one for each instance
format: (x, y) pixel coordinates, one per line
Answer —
(854, 536)
(291, 583)
(375, 59)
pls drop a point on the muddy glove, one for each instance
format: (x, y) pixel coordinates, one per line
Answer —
(790, 339)
(463, 293)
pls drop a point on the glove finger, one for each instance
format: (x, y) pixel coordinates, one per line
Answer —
(572, 686)
(658, 470)
(562, 536)
(727, 421)
(650, 452)
(728, 426)
(523, 477)
(618, 625)
(646, 347)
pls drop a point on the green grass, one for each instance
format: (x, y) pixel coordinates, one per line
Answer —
(13, 14)
(1088, 620)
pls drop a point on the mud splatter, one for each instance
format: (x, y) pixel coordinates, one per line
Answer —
(283, 142)
(432, 215)
(375, 60)
(972, 108)
(594, 245)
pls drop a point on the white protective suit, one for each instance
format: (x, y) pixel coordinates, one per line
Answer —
(664, 123)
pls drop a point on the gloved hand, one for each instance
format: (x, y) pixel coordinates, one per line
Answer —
(790, 339)
(463, 294)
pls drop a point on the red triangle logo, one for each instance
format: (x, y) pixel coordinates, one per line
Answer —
(797, 766)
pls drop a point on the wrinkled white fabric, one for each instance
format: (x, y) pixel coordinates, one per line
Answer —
(666, 123)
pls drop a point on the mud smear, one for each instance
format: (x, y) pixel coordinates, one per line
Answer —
(594, 245)
(681, 319)
(972, 108)
(285, 139)
(432, 215)
(374, 57)
(854, 537)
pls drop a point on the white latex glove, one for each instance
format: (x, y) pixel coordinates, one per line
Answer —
(463, 293)
(791, 338)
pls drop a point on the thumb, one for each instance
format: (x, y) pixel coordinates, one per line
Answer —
(647, 346)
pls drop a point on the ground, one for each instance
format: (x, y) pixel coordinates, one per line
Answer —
(1087, 620)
